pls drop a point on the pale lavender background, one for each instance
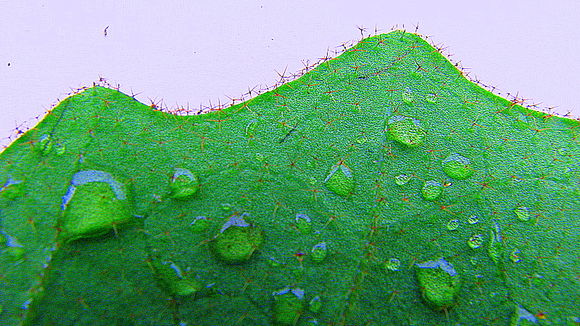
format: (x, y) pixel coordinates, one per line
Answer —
(187, 53)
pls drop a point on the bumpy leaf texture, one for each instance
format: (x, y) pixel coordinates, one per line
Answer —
(380, 188)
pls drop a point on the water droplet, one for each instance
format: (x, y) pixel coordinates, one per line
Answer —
(237, 240)
(406, 130)
(251, 128)
(260, 157)
(431, 98)
(183, 183)
(44, 144)
(523, 213)
(458, 167)
(318, 252)
(274, 262)
(340, 180)
(515, 256)
(303, 223)
(452, 225)
(60, 148)
(403, 179)
(522, 317)
(171, 279)
(473, 219)
(288, 306)
(200, 224)
(12, 189)
(393, 264)
(475, 241)
(94, 204)
(439, 283)
(432, 190)
(408, 96)
(14, 249)
(315, 304)
(495, 244)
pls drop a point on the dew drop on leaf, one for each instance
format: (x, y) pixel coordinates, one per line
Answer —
(452, 225)
(407, 96)
(402, 179)
(432, 190)
(393, 264)
(458, 167)
(473, 219)
(340, 180)
(406, 130)
(475, 241)
(318, 252)
(95, 203)
(183, 184)
(523, 213)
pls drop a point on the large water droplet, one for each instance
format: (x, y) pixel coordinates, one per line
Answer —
(522, 317)
(184, 183)
(288, 306)
(406, 130)
(95, 203)
(439, 283)
(432, 190)
(237, 240)
(457, 167)
(340, 180)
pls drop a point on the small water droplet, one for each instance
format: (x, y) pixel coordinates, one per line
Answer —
(171, 278)
(251, 128)
(60, 148)
(495, 244)
(432, 190)
(274, 262)
(315, 304)
(523, 317)
(94, 204)
(260, 157)
(12, 189)
(303, 223)
(44, 144)
(515, 256)
(523, 213)
(184, 183)
(452, 225)
(14, 249)
(473, 219)
(475, 241)
(200, 224)
(318, 252)
(403, 179)
(457, 167)
(237, 240)
(407, 96)
(340, 180)
(406, 130)
(431, 98)
(393, 264)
